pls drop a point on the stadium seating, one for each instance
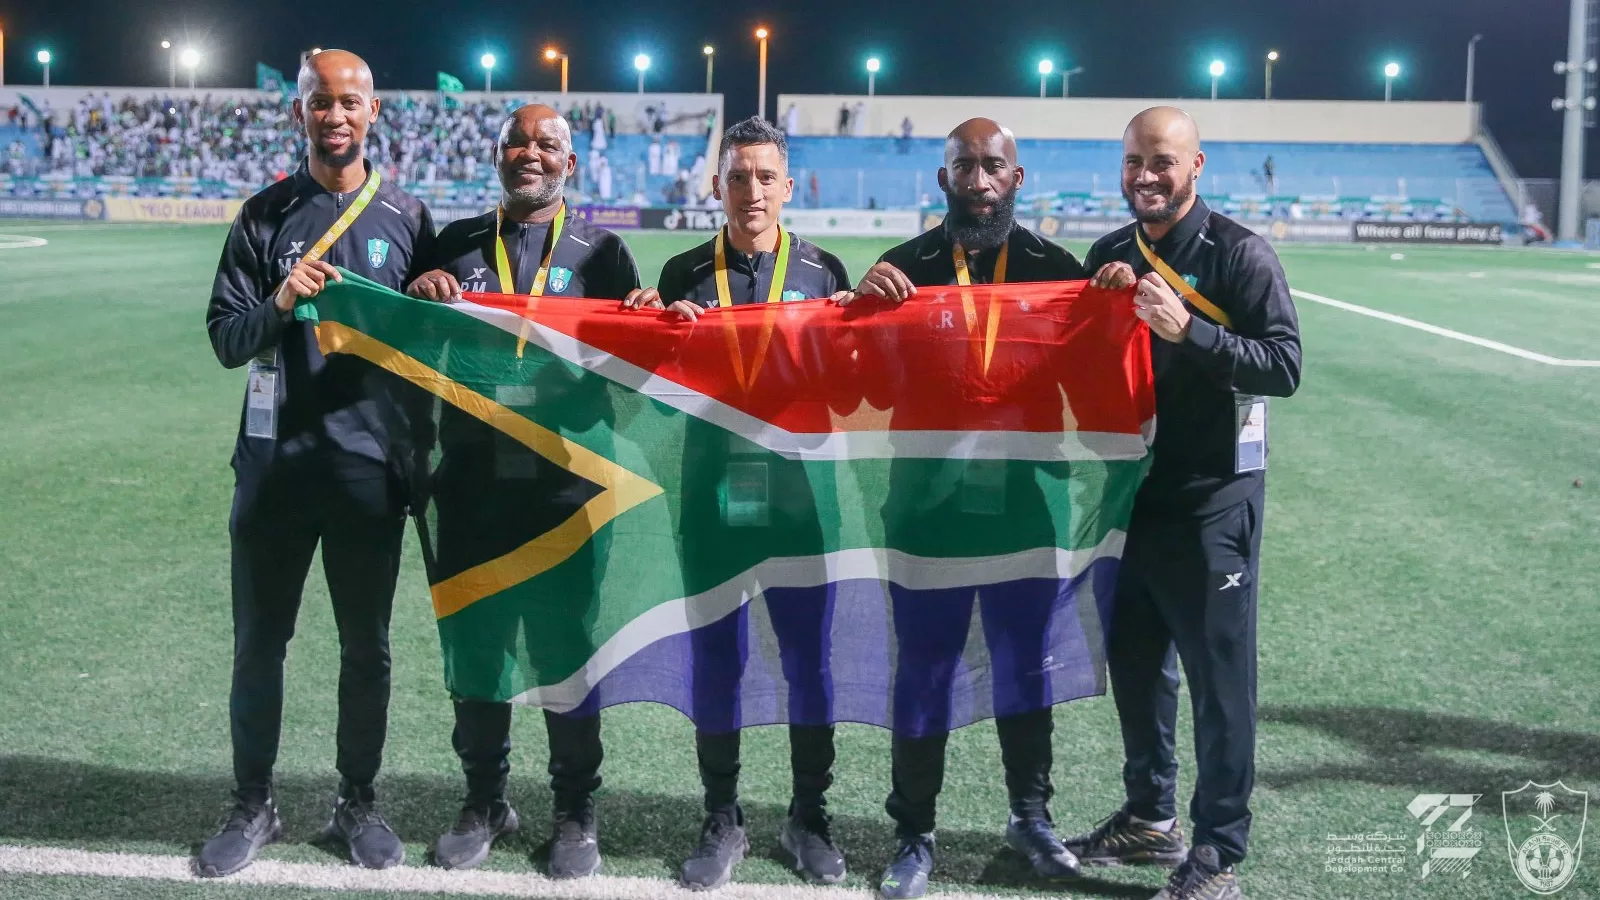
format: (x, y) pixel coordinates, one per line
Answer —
(227, 148)
(1330, 180)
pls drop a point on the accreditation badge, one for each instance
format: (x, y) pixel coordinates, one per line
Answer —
(261, 397)
(1250, 424)
(745, 493)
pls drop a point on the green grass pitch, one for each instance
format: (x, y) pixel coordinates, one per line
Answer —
(1430, 609)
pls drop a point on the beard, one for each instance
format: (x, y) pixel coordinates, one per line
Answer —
(542, 194)
(1167, 211)
(980, 231)
(339, 159)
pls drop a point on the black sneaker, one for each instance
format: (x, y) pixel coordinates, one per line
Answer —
(574, 844)
(467, 844)
(252, 823)
(1202, 877)
(1119, 840)
(907, 875)
(722, 846)
(359, 826)
(808, 838)
(1036, 839)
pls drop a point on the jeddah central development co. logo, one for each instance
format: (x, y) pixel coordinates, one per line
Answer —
(1544, 833)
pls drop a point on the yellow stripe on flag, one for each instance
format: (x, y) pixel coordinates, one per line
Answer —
(621, 490)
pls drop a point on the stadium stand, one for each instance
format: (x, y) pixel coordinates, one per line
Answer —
(222, 147)
(229, 147)
(1401, 182)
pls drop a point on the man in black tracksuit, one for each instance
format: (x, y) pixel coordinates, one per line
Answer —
(1224, 339)
(319, 458)
(758, 507)
(979, 243)
(484, 480)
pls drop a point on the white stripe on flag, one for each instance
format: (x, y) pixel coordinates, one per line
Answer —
(914, 572)
(1021, 445)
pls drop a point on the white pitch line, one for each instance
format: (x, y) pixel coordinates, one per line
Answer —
(1445, 332)
(18, 241)
(408, 879)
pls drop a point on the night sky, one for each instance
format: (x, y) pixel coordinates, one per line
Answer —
(1331, 49)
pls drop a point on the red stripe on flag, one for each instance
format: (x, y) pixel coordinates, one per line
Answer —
(1067, 357)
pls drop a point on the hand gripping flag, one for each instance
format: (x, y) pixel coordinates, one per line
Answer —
(905, 516)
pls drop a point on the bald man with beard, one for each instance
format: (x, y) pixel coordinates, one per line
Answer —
(1224, 338)
(321, 458)
(979, 242)
(529, 244)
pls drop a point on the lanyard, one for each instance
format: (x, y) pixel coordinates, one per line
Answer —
(1184, 289)
(503, 263)
(780, 271)
(730, 331)
(343, 223)
(991, 331)
(508, 283)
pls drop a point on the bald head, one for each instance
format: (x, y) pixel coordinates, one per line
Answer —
(534, 118)
(336, 106)
(334, 67)
(1168, 125)
(535, 159)
(979, 138)
(1161, 163)
(980, 178)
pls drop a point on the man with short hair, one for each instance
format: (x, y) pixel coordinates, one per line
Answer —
(979, 242)
(316, 461)
(530, 243)
(1224, 338)
(755, 260)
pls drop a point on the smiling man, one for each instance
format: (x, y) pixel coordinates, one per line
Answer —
(1224, 338)
(755, 260)
(528, 244)
(314, 461)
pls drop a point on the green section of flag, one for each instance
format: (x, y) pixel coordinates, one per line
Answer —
(449, 84)
(270, 79)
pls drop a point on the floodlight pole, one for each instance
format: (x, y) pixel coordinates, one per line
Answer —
(1579, 63)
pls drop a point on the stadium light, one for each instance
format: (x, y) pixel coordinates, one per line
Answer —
(873, 65)
(44, 60)
(1217, 69)
(761, 103)
(487, 61)
(1066, 80)
(641, 63)
(709, 52)
(1390, 72)
(1272, 57)
(189, 58)
(551, 54)
(1045, 68)
(1472, 62)
(172, 64)
(2, 57)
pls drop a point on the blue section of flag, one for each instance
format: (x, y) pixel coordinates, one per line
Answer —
(918, 662)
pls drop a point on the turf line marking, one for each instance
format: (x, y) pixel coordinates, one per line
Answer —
(407, 879)
(1445, 332)
(18, 241)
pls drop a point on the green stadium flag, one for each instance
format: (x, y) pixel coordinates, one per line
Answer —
(270, 79)
(449, 84)
(797, 512)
